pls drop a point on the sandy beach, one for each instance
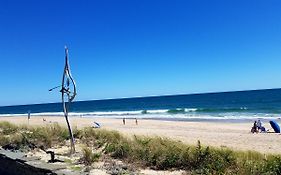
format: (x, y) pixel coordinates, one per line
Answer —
(219, 134)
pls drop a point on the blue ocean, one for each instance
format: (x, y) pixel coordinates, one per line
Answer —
(264, 104)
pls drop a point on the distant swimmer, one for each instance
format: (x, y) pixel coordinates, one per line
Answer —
(124, 122)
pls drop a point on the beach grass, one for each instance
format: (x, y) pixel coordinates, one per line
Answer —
(88, 157)
(154, 152)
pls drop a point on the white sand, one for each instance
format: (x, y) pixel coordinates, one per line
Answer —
(219, 134)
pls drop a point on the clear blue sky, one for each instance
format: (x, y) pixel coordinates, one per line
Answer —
(138, 47)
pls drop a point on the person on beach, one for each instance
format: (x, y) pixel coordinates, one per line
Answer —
(136, 121)
(254, 128)
(124, 122)
(260, 127)
(28, 115)
(259, 124)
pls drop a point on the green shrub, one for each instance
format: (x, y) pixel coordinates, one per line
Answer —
(4, 140)
(119, 150)
(273, 165)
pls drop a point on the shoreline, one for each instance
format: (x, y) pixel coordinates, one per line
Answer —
(175, 118)
(233, 135)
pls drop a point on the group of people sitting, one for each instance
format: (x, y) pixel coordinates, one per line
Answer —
(257, 127)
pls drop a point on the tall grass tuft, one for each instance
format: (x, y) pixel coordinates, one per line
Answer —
(7, 128)
(25, 136)
(88, 156)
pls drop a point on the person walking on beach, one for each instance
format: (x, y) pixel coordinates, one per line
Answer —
(124, 122)
(28, 115)
(136, 121)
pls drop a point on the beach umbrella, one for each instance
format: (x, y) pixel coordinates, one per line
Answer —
(275, 126)
(97, 124)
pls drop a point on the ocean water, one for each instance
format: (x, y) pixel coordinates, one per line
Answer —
(240, 105)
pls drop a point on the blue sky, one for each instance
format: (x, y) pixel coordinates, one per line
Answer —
(130, 48)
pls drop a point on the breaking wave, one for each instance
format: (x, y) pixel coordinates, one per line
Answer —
(169, 114)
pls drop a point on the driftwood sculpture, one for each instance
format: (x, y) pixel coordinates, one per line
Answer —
(68, 93)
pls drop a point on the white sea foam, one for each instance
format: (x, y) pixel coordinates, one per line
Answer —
(11, 115)
(161, 111)
(189, 114)
(157, 111)
(107, 113)
(190, 109)
(34, 114)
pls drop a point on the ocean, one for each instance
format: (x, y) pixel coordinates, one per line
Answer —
(239, 105)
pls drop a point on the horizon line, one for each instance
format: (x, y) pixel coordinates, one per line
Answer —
(151, 96)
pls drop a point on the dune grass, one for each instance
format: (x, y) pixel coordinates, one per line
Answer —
(154, 152)
(88, 157)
